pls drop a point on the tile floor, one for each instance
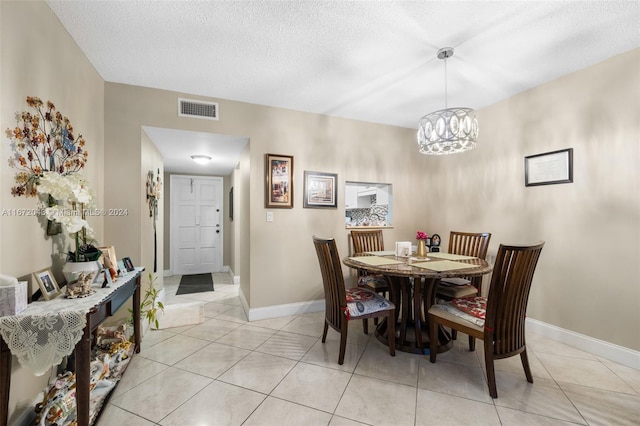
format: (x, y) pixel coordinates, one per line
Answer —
(228, 371)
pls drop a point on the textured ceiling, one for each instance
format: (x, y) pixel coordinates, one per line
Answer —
(367, 60)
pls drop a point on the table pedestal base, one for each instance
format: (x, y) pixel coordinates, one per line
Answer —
(409, 343)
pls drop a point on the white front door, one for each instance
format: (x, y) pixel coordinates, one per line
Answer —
(196, 224)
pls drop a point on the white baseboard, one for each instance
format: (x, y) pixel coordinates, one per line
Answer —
(168, 273)
(256, 314)
(243, 300)
(616, 353)
(276, 311)
(235, 278)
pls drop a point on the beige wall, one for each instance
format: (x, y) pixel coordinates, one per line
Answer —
(592, 227)
(151, 160)
(233, 229)
(594, 111)
(588, 278)
(40, 59)
(280, 253)
(243, 236)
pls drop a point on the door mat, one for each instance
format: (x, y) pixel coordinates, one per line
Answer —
(195, 283)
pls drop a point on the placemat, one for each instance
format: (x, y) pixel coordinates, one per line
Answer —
(376, 261)
(449, 256)
(444, 265)
(382, 253)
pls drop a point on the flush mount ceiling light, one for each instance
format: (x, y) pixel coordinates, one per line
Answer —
(448, 130)
(201, 159)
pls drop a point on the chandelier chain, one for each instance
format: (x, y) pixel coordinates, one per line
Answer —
(446, 91)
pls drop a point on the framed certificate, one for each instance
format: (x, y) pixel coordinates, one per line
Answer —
(549, 168)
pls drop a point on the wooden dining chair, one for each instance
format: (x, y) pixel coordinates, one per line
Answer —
(369, 241)
(505, 307)
(467, 244)
(343, 305)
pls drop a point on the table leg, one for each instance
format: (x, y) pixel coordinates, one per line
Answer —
(83, 374)
(136, 315)
(417, 311)
(5, 381)
(429, 299)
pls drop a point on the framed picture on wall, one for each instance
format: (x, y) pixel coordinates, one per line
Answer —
(47, 283)
(320, 190)
(549, 168)
(279, 181)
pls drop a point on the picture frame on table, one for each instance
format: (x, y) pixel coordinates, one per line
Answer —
(47, 283)
(435, 240)
(106, 278)
(108, 258)
(549, 168)
(320, 190)
(128, 264)
(279, 181)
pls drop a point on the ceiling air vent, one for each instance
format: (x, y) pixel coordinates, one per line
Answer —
(197, 109)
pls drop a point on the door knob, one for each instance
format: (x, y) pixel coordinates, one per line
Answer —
(217, 231)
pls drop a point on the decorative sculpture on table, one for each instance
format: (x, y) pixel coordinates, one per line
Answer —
(154, 189)
(81, 287)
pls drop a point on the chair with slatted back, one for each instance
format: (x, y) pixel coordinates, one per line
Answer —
(369, 241)
(467, 244)
(343, 305)
(503, 310)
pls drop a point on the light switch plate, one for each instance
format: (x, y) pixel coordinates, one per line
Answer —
(269, 216)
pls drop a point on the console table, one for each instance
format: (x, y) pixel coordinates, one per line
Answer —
(43, 319)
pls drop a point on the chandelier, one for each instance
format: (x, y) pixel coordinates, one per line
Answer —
(448, 130)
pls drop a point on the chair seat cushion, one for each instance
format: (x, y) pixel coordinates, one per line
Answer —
(374, 282)
(451, 313)
(457, 291)
(362, 301)
(474, 305)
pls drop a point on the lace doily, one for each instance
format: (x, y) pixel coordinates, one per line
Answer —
(47, 331)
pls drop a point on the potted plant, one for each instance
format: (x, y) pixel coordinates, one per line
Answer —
(151, 306)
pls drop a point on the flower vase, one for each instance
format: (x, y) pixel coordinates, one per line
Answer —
(71, 270)
(421, 250)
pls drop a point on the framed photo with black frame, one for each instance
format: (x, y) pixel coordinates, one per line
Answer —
(549, 168)
(128, 264)
(279, 181)
(47, 283)
(320, 190)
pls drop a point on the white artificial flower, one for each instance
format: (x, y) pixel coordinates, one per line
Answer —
(68, 190)
(55, 185)
(73, 223)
